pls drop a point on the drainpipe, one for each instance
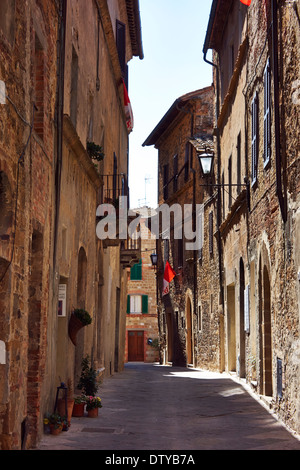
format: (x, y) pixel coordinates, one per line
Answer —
(220, 251)
(59, 117)
(276, 109)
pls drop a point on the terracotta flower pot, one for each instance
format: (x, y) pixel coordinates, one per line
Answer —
(93, 413)
(78, 410)
(55, 430)
(74, 326)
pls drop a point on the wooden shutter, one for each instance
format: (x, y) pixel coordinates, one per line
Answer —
(144, 303)
(254, 137)
(121, 46)
(267, 113)
(136, 272)
(128, 303)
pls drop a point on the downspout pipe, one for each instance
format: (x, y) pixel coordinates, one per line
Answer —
(59, 118)
(276, 110)
(218, 174)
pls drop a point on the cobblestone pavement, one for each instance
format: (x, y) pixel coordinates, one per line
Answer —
(149, 407)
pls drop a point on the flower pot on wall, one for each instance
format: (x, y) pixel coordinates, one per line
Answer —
(75, 325)
(79, 318)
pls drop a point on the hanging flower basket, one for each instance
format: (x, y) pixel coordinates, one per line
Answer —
(79, 318)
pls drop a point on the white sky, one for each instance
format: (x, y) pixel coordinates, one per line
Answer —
(173, 34)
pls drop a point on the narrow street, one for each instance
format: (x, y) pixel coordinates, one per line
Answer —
(153, 407)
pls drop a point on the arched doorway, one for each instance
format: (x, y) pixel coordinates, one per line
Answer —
(189, 333)
(169, 325)
(231, 330)
(265, 332)
(242, 368)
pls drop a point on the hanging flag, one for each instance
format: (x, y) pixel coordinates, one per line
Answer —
(169, 274)
(246, 2)
(128, 109)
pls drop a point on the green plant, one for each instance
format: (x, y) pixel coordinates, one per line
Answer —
(80, 399)
(95, 151)
(93, 402)
(54, 419)
(83, 316)
(88, 378)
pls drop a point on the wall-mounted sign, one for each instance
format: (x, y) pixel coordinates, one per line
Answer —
(62, 299)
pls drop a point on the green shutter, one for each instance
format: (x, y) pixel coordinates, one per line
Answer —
(136, 272)
(128, 303)
(144, 303)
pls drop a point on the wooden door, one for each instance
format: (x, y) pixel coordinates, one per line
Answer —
(135, 346)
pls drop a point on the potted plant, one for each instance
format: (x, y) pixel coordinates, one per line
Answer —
(95, 151)
(56, 423)
(79, 318)
(79, 404)
(88, 378)
(92, 405)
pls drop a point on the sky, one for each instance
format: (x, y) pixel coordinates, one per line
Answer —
(173, 34)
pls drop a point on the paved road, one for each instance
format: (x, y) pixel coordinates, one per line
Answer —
(153, 407)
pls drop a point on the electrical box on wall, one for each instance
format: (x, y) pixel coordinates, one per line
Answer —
(2, 353)
(2, 92)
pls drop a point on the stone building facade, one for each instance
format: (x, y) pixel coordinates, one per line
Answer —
(27, 154)
(256, 75)
(141, 319)
(188, 315)
(64, 70)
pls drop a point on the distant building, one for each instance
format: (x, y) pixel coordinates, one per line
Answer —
(188, 315)
(142, 338)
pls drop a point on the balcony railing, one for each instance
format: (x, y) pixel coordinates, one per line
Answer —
(114, 186)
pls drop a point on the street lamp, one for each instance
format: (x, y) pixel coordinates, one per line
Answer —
(154, 258)
(206, 160)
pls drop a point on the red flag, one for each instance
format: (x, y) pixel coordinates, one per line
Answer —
(128, 109)
(169, 275)
(246, 2)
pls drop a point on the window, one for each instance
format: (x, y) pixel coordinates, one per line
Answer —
(186, 162)
(199, 318)
(180, 252)
(254, 138)
(74, 88)
(230, 182)
(136, 272)
(166, 181)
(267, 113)
(175, 173)
(137, 304)
(121, 46)
(238, 163)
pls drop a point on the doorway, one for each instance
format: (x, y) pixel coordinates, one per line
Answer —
(231, 334)
(189, 333)
(265, 333)
(135, 346)
(242, 367)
